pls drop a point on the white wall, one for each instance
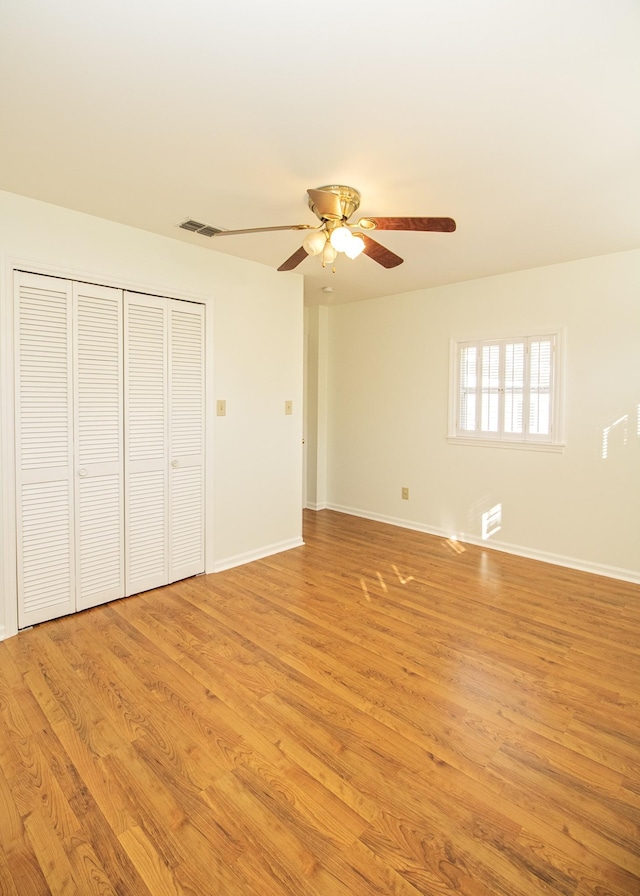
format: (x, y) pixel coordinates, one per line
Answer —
(388, 362)
(316, 333)
(255, 333)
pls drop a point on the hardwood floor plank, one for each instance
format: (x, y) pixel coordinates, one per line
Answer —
(291, 860)
(376, 712)
(573, 859)
(7, 883)
(97, 853)
(87, 870)
(436, 860)
(27, 876)
(51, 856)
(34, 785)
(59, 682)
(587, 819)
(11, 829)
(159, 879)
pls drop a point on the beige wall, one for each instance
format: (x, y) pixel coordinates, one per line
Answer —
(388, 362)
(255, 341)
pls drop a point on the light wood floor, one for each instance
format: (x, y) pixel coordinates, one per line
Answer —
(378, 712)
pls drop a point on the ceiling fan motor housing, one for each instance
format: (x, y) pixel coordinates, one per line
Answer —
(348, 203)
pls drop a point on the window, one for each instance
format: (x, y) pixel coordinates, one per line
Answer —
(507, 390)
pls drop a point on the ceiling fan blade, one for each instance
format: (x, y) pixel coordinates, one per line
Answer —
(294, 260)
(326, 204)
(264, 229)
(440, 225)
(379, 253)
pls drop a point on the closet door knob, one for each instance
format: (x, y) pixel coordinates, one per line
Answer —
(174, 463)
(82, 472)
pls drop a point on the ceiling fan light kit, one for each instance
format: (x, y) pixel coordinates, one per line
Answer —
(314, 243)
(355, 246)
(333, 205)
(329, 253)
(340, 237)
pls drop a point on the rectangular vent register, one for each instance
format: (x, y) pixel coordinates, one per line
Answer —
(198, 227)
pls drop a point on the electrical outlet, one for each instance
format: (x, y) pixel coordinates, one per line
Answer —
(288, 408)
(405, 494)
(221, 407)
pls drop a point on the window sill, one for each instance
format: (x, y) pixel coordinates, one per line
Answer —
(550, 447)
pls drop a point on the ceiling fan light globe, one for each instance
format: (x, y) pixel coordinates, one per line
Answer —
(315, 242)
(341, 238)
(355, 247)
(328, 253)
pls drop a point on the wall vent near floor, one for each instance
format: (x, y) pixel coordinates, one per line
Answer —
(199, 227)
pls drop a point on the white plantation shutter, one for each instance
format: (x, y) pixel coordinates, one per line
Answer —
(490, 388)
(540, 386)
(146, 442)
(44, 427)
(505, 389)
(98, 444)
(186, 438)
(468, 385)
(514, 396)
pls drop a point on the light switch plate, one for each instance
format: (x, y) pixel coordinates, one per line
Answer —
(288, 407)
(221, 407)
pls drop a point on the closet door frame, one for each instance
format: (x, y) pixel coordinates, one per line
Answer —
(8, 541)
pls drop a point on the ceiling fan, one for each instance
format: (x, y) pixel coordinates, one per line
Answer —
(334, 205)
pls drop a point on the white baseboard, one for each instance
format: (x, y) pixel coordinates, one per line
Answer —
(322, 506)
(259, 554)
(598, 569)
(2, 633)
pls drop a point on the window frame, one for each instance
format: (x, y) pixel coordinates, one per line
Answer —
(554, 441)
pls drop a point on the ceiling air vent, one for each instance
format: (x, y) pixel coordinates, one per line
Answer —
(199, 227)
(192, 225)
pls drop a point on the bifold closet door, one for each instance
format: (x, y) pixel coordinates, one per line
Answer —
(99, 444)
(44, 448)
(69, 494)
(164, 440)
(186, 439)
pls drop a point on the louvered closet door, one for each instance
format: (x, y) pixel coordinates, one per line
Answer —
(164, 440)
(186, 439)
(44, 445)
(146, 442)
(99, 488)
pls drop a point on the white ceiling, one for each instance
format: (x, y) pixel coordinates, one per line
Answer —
(518, 118)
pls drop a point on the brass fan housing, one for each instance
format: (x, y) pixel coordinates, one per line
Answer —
(348, 198)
